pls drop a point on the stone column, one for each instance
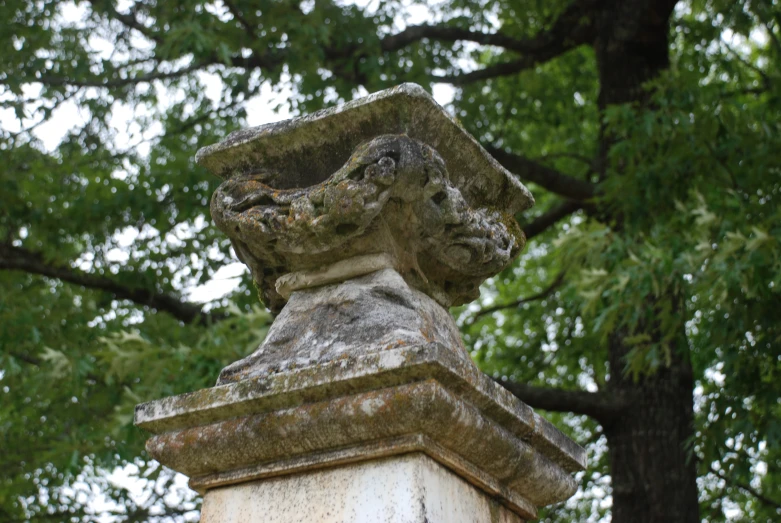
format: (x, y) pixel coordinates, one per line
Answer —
(361, 225)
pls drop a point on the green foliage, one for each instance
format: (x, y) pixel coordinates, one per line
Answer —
(73, 372)
(699, 176)
(695, 177)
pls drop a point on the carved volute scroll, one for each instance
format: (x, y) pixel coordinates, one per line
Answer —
(394, 197)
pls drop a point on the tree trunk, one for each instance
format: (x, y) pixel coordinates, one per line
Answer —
(654, 475)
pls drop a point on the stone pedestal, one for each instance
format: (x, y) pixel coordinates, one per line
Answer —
(411, 488)
(402, 401)
(362, 404)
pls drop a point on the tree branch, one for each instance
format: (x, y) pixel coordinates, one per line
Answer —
(491, 71)
(415, 33)
(20, 259)
(251, 62)
(27, 358)
(575, 156)
(573, 28)
(517, 303)
(549, 218)
(99, 82)
(748, 488)
(239, 17)
(601, 406)
(129, 19)
(38, 362)
(544, 176)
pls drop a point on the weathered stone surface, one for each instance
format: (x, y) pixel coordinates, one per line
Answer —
(335, 273)
(345, 376)
(364, 315)
(306, 150)
(364, 222)
(390, 174)
(427, 224)
(425, 399)
(408, 489)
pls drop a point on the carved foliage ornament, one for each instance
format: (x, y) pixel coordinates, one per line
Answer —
(413, 189)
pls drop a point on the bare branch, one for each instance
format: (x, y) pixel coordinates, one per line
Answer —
(492, 71)
(575, 156)
(601, 406)
(234, 11)
(747, 488)
(517, 303)
(544, 176)
(766, 80)
(415, 33)
(99, 82)
(573, 28)
(27, 358)
(57, 103)
(129, 20)
(775, 21)
(20, 259)
(38, 362)
(549, 218)
(251, 62)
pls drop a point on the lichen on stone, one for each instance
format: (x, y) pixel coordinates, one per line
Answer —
(393, 195)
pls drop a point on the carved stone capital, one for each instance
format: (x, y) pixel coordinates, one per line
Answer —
(410, 185)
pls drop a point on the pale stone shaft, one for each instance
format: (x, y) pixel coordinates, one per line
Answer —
(407, 489)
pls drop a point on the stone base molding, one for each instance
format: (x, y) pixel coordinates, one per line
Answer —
(398, 402)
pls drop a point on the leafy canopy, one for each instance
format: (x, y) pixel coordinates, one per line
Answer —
(106, 232)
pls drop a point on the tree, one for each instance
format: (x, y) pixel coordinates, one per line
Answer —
(642, 315)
